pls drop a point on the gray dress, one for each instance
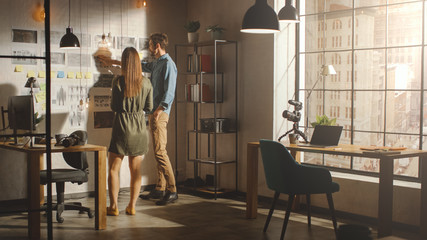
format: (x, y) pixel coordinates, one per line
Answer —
(129, 136)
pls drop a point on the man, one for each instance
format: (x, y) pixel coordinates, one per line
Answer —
(163, 78)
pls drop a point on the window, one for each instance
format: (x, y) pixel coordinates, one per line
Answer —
(383, 84)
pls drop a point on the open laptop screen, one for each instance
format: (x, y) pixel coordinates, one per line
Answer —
(326, 135)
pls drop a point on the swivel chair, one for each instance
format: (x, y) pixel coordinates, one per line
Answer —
(284, 175)
(77, 174)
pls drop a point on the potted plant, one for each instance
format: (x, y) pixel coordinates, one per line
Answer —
(324, 120)
(192, 27)
(216, 31)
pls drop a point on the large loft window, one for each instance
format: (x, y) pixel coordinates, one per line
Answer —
(378, 95)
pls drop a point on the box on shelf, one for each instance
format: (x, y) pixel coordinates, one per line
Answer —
(209, 125)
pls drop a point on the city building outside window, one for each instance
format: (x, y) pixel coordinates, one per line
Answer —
(384, 83)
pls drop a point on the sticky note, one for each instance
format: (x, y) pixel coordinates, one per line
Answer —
(42, 74)
(70, 75)
(88, 75)
(19, 68)
(31, 74)
(78, 75)
(52, 74)
(60, 74)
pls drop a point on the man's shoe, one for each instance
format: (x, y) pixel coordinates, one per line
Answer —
(154, 194)
(169, 197)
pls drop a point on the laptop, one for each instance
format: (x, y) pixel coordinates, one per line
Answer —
(324, 136)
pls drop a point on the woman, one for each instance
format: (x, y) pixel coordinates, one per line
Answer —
(132, 94)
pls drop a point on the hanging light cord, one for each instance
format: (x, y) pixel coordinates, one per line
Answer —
(69, 13)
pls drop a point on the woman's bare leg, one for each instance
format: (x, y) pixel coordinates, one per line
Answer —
(114, 163)
(135, 179)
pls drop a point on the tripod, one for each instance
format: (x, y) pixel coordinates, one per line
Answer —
(296, 131)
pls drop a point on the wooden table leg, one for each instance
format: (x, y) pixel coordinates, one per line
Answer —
(33, 185)
(100, 191)
(385, 198)
(252, 181)
(423, 207)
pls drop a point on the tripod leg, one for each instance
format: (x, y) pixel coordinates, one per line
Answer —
(301, 134)
(280, 138)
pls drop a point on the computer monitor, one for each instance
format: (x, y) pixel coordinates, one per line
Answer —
(21, 113)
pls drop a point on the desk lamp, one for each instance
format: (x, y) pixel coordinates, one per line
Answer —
(325, 70)
(32, 83)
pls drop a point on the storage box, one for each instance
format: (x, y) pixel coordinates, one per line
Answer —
(208, 125)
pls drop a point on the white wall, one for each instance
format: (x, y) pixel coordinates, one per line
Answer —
(88, 18)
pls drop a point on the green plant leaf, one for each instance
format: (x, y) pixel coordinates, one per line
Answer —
(324, 120)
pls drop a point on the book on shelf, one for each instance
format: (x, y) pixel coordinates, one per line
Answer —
(199, 63)
(195, 92)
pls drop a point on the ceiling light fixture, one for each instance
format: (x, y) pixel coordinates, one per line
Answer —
(288, 14)
(260, 18)
(69, 40)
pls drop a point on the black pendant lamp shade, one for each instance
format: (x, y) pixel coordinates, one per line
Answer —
(288, 13)
(69, 40)
(260, 18)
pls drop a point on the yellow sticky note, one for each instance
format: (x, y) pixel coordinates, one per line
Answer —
(88, 75)
(42, 74)
(70, 75)
(31, 74)
(19, 68)
(140, 55)
(52, 74)
(78, 75)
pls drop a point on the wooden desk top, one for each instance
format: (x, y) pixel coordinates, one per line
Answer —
(41, 148)
(352, 150)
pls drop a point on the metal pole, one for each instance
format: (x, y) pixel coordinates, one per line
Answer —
(48, 121)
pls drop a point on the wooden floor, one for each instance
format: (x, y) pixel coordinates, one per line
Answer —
(192, 217)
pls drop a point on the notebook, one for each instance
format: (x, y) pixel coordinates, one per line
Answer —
(324, 136)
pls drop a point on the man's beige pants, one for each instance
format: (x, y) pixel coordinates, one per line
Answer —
(166, 179)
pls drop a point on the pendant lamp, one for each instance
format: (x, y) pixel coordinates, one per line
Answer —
(288, 13)
(260, 18)
(69, 40)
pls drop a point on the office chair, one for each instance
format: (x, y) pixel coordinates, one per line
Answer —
(77, 174)
(284, 175)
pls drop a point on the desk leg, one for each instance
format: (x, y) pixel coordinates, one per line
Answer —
(41, 186)
(296, 203)
(385, 199)
(423, 207)
(100, 191)
(252, 181)
(33, 185)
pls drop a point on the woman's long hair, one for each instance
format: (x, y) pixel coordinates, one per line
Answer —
(132, 72)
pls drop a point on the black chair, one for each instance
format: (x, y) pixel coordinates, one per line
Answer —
(77, 174)
(284, 175)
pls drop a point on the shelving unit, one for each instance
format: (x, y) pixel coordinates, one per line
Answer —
(206, 107)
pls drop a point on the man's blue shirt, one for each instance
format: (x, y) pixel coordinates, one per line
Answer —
(163, 78)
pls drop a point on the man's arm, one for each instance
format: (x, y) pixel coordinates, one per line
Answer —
(169, 85)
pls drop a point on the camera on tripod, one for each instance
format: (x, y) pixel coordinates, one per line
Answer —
(294, 116)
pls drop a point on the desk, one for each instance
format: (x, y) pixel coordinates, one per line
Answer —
(385, 198)
(35, 193)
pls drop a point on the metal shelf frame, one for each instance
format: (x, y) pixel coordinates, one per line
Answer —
(197, 106)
